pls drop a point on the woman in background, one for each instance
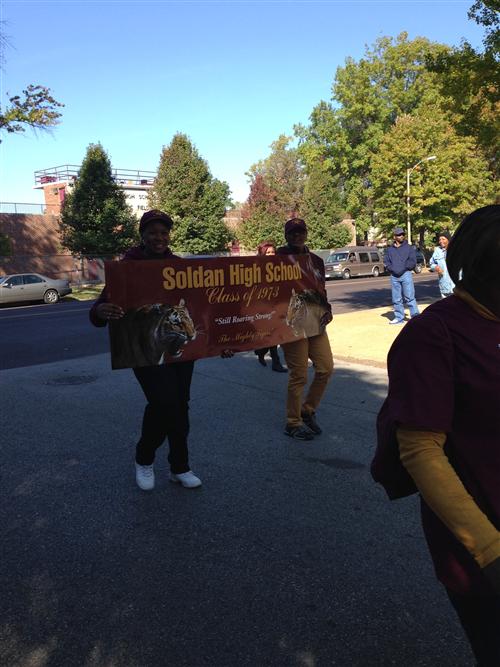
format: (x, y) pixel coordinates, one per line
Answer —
(268, 248)
(438, 264)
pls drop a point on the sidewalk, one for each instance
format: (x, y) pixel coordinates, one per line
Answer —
(364, 336)
(288, 555)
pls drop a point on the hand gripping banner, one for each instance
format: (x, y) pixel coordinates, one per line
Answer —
(183, 309)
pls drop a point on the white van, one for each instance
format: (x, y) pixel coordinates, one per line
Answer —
(354, 261)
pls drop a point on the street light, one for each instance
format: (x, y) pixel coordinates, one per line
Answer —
(408, 172)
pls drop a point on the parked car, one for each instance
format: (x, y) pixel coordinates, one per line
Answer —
(420, 260)
(354, 261)
(32, 287)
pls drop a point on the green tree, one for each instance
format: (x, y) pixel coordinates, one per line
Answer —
(283, 173)
(276, 194)
(442, 191)
(262, 215)
(186, 190)
(322, 210)
(486, 13)
(95, 218)
(261, 226)
(5, 245)
(367, 97)
(469, 83)
(35, 107)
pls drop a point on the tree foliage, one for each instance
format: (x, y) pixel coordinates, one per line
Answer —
(323, 210)
(403, 101)
(5, 245)
(367, 98)
(469, 82)
(281, 188)
(486, 13)
(95, 218)
(35, 108)
(276, 194)
(262, 215)
(442, 191)
(186, 190)
(283, 174)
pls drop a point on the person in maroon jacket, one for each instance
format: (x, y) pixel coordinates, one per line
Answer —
(301, 413)
(444, 399)
(167, 386)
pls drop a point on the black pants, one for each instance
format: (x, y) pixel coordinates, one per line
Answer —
(273, 351)
(480, 619)
(167, 413)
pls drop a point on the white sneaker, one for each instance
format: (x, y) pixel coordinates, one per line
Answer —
(187, 479)
(145, 477)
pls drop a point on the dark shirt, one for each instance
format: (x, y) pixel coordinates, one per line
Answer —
(444, 375)
(400, 259)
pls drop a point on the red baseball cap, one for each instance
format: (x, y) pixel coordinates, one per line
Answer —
(295, 223)
(155, 216)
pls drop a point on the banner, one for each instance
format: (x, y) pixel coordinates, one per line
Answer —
(182, 309)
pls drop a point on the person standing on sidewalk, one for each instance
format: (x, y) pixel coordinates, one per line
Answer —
(301, 414)
(267, 248)
(166, 387)
(444, 399)
(400, 259)
(438, 264)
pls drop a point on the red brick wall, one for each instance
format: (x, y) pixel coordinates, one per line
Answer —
(36, 246)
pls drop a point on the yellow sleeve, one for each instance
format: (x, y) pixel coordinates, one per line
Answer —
(422, 454)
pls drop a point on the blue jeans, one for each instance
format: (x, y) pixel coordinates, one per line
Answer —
(403, 294)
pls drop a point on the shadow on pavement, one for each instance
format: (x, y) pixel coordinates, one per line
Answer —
(288, 554)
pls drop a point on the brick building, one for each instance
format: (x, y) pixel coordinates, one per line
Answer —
(57, 181)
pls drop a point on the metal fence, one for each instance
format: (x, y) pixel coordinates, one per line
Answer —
(69, 172)
(21, 207)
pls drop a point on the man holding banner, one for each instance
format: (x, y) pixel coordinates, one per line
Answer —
(166, 386)
(301, 415)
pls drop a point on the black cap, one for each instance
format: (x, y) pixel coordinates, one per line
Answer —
(155, 216)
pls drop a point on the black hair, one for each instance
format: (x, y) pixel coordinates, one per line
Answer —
(473, 254)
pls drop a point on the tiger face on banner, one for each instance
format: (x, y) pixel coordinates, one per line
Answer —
(183, 309)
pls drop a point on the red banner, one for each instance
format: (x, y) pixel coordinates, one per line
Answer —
(181, 309)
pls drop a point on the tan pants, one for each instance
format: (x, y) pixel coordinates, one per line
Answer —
(297, 354)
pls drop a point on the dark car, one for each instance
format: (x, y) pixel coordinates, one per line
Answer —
(420, 260)
(18, 287)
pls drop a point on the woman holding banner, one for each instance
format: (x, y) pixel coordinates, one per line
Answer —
(167, 386)
(267, 248)
(301, 413)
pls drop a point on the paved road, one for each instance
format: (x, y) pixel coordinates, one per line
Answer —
(349, 295)
(43, 334)
(287, 556)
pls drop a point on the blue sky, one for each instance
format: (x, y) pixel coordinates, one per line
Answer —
(232, 75)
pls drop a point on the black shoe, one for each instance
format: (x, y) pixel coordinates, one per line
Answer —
(311, 423)
(299, 432)
(261, 356)
(278, 367)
